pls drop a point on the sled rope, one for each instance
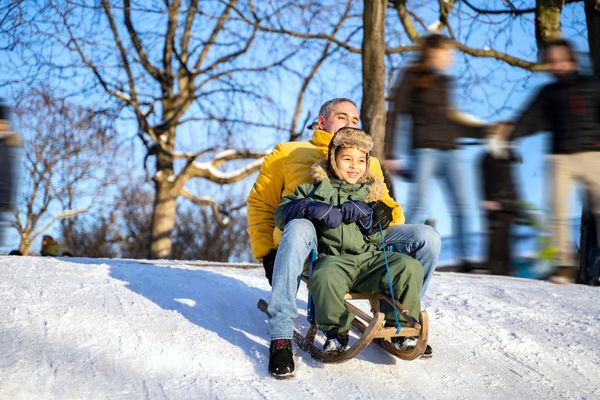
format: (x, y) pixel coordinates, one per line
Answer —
(389, 276)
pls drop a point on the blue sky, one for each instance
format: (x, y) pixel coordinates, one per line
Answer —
(486, 88)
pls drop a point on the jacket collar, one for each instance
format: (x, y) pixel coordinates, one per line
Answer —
(321, 138)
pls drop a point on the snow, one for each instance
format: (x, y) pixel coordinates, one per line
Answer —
(76, 328)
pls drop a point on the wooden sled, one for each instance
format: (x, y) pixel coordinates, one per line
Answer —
(370, 326)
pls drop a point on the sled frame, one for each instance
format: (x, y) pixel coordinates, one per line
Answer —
(370, 326)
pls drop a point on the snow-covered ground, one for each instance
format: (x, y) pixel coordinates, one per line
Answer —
(120, 329)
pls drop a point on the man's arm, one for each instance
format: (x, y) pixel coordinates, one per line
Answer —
(532, 119)
(400, 99)
(262, 202)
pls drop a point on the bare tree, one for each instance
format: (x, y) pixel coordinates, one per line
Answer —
(61, 145)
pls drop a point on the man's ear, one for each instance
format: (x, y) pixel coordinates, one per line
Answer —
(320, 122)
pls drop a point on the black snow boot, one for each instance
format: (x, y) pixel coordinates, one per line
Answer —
(336, 342)
(281, 360)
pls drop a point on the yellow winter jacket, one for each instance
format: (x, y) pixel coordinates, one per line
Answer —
(282, 171)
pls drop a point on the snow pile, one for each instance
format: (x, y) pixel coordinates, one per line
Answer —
(121, 329)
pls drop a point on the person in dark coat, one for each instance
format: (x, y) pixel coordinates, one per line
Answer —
(569, 107)
(500, 202)
(9, 143)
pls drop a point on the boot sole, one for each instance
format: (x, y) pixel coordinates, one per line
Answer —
(287, 375)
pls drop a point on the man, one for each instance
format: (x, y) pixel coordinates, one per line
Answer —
(284, 254)
(569, 107)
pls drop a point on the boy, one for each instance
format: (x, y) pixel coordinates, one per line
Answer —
(349, 258)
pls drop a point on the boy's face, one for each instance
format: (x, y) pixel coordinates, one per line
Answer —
(351, 164)
(343, 114)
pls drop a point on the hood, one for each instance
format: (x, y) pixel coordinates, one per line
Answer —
(319, 172)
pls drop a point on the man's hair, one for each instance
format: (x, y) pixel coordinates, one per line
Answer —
(435, 41)
(565, 44)
(326, 107)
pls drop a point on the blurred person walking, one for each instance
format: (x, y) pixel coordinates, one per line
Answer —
(9, 143)
(423, 93)
(500, 202)
(569, 107)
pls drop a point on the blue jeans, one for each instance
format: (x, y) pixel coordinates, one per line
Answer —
(299, 238)
(447, 165)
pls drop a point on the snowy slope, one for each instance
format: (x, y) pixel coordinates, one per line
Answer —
(121, 329)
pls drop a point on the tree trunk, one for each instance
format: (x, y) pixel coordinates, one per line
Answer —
(592, 16)
(163, 219)
(547, 21)
(165, 198)
(373, 72)
(24, 246)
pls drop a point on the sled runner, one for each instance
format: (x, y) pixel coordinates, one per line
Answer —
(370, 326)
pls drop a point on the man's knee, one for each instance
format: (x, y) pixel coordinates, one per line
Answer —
(300, 228)
(422, 236)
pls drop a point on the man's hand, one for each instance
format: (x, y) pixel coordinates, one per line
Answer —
(382, 214)
(268, 264)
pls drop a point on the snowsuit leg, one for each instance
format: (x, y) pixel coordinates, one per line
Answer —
(407, 279)
(337, 275)
(329, 282)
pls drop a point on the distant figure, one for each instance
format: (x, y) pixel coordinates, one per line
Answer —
(50, 247)
(569, 107)
(15, 253)
(9, 143)
(424, 94)
(500, 202)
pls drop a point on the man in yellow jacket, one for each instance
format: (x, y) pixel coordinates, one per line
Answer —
(284, 254)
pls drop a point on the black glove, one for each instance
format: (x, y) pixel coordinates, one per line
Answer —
(326, 213)
(294, 210)
(382, 214)
(353, 210)
(268, 264)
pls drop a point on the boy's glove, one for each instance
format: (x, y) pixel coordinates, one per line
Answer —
(326, 213)
(268, 264)
(294, 210)
(382, 214)
(354, 210)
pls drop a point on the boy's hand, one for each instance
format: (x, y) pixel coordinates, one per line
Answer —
(353, 210)
(326, 213)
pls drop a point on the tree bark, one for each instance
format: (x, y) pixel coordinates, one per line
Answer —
(373, 72)
(163, 217)
(592, 16)
(547, 21)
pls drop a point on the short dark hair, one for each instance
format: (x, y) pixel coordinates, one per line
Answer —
(565, 44)
(326, 107)
(435, 41)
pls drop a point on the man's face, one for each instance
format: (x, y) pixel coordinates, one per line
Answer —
(559, 62)
(440, 59)
(342, 115)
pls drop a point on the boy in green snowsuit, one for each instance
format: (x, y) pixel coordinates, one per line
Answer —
(348, 237)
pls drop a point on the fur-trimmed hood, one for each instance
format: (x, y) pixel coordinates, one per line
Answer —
(319, 173)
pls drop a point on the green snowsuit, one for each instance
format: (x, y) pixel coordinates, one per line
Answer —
(349, 260)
